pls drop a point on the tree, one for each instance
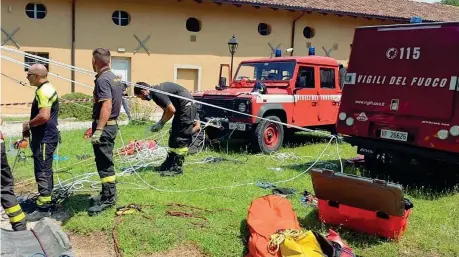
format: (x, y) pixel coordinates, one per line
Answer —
(450, 2)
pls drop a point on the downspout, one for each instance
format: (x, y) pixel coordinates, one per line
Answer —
(72, 52)
(292, 45)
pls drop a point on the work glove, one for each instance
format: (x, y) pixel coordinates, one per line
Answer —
(157, 127)
(95, 139)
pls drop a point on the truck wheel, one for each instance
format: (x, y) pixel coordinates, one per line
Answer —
(268, 136)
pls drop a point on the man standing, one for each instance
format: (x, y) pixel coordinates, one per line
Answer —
(9, 200)
(108, 93)
(45, 137)
(125, 98)
(183, 124)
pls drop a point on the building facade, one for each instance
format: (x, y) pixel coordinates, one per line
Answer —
(154, 41)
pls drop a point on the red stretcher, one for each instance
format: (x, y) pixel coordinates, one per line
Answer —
(371, 206)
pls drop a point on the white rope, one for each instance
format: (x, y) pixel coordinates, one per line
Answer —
(332, 137)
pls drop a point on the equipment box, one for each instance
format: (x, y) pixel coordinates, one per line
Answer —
(371, 206)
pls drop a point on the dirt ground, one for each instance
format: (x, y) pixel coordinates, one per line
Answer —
(101, 245)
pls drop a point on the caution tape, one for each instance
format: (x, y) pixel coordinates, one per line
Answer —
(84, 100)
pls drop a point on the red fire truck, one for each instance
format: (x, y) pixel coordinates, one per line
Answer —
(401, 94)
(302, 91)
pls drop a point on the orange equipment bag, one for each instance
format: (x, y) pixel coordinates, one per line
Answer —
(266, 216)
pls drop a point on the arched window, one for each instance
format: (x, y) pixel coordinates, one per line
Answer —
(121, 18)
(193, 25)
(264, 29)
(308, 32)
(35, 10)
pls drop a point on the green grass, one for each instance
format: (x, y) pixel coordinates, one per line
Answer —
(432, 227)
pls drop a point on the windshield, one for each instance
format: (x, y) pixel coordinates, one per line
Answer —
(266, 71)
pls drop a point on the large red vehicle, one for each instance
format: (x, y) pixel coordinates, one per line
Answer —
(401, 95)
(302, 91)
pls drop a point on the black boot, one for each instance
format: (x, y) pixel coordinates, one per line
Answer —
(166, 165)
(176, 167)
(105, 201)
(95, 200)
(38, 214)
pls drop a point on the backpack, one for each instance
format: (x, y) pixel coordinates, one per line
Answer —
(267, 215)
(272, 214)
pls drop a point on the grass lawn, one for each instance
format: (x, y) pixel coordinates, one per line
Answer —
(432, 229)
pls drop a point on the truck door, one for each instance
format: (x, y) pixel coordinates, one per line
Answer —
(306, 99)
(329, 95)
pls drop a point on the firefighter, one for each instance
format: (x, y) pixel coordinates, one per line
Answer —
(45, 136)
(183, 124)
(108, 93)
(9, 201)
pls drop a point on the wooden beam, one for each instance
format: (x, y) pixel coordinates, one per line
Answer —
(198, 1)
(274, 9)
(218, 3)
(237, 5)
(256, 6)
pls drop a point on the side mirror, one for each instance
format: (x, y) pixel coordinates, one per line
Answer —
(222, 82)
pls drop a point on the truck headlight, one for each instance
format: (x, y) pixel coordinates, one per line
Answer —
(442, 134)
(454, 131)
(242, 107)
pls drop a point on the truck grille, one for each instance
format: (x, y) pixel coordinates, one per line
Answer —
(215, 112)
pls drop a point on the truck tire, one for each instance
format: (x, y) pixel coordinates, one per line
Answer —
(268, 136)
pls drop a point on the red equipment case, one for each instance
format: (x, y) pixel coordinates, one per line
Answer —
(370, 206)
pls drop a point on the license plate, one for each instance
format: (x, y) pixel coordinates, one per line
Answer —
(237, 126)
(394, 135)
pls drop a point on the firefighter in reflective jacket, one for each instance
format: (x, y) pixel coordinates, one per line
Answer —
(183, 124)
(45, 137)
(9, 202)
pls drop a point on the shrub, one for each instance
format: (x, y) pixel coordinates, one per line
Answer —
(80, 111)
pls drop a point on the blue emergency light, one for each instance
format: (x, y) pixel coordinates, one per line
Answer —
(416, 19)
(312, 50)
(278, 52)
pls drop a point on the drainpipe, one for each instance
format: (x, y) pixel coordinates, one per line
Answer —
(72, 52)
(292, 45)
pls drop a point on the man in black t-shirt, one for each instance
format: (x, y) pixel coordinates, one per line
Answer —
(45, 137)
(108, 93)
(183, 124)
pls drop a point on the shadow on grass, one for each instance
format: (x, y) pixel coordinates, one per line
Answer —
(239, 146)
(245, 235)
(424, 181)
(356, 239)
(301, 138)
(75, 204)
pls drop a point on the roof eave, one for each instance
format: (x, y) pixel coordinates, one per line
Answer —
(303, 9)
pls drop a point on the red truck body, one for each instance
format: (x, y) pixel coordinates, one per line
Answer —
(401, 91)
(302, 91)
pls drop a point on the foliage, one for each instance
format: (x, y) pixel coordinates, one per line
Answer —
(141, 111)
(80, 111)
(450, 2)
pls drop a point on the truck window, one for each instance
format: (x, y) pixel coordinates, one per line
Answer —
(274, 71)
(305, 74)
(327, 78)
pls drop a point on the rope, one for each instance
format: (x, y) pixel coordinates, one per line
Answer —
(277, 239)
(332, 137)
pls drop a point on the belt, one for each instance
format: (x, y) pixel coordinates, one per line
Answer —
(109, 122)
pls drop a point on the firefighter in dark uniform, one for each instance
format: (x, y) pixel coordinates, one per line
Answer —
(9, 201)
(183, 124)
(108, 93)
(45, 137)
